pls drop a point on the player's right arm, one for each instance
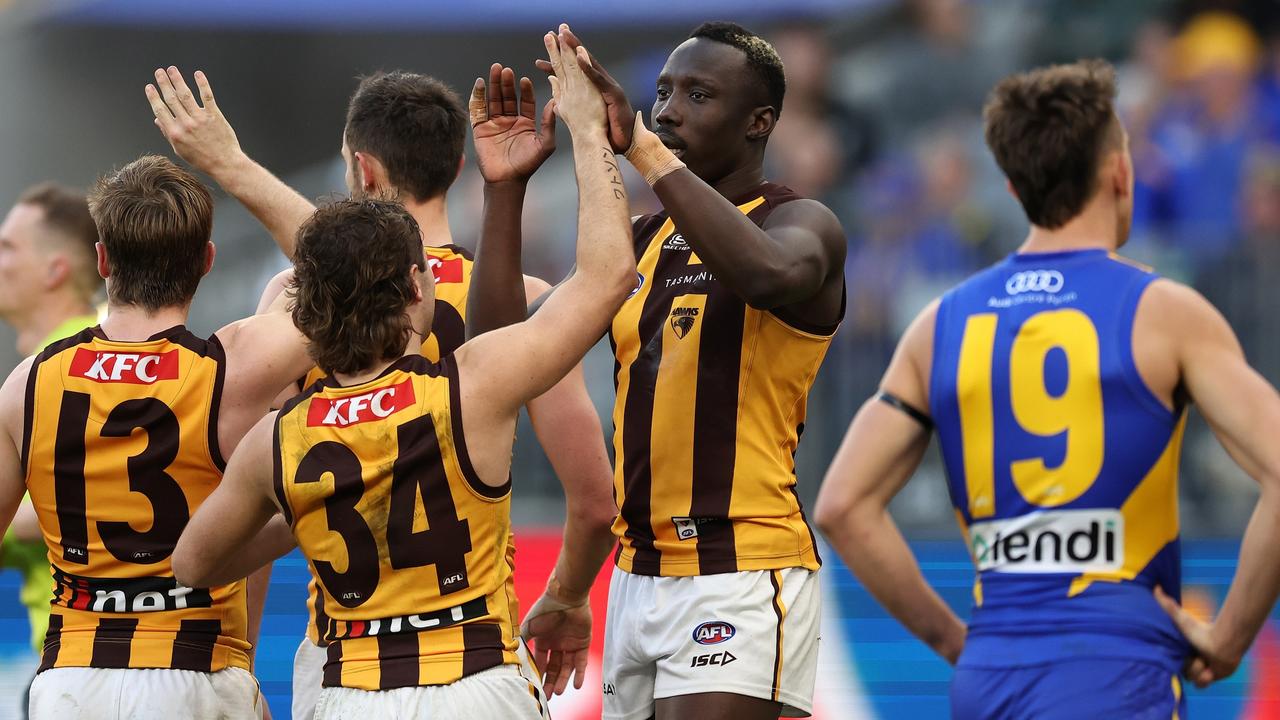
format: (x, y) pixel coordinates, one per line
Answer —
(510, 147)
(1243, 410)
(504, 369)
(202, 136)
(879, 454)
(12, 483)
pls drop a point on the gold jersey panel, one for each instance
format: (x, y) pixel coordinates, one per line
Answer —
(120, 449)
(711, 398)
(407, 548)
(451, 267)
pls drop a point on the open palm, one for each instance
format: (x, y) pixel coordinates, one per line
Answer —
(510, 146)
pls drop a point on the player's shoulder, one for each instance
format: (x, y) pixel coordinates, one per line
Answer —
(13, 397)
(1177, 306)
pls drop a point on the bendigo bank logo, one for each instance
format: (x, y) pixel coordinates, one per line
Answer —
(1063, 541)
(713, 632)
(356, 409)
(682, 320)
(132, 368)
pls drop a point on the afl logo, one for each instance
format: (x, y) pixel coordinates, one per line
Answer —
(639, 284)
(1048, 281)
(713, 633)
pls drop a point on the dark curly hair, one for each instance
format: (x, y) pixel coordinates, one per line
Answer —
(1048, 130)
(414, 124)
(762, 58)
(351, 283)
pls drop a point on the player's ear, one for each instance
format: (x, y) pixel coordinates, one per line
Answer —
(763, 120)
(1008, 186)
(57, 272)
(1122, 174)
(462, 161)
(210, 251)
(371, 173)
(104, 267)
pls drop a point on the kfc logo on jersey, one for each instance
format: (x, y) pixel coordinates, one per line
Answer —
(713, 632)
(356, 409)
(445, 271)
(116, 367)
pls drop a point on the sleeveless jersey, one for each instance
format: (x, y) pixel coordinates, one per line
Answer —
(451, 267)
(120, 448)
(408, 548)
(711, 397)
(1061, 463)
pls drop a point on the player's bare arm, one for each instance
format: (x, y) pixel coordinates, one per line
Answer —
(201, 135)
(12, 483)
(510, 147)
(1243, 410)
(264, 354)
(881, 451)
(238, 528)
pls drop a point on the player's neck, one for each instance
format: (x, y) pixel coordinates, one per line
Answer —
(433, 219)
(132, 323)
(36, 322)
(740, 181)
(1094, 228)
(413, 347)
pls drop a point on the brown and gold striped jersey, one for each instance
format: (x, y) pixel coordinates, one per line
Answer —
(711, 397)
(120, 448)
(408, 548)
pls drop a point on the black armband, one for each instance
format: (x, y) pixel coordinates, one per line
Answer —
(899, 404)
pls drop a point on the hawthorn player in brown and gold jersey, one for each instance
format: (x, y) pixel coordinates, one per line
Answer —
(420, 602)
(404, 139)
(119, 433)
(741, 287)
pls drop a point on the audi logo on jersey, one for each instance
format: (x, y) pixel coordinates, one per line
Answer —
(1048, 281)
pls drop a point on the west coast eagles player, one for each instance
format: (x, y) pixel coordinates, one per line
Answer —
(119, 432)
(393, 473)
(1059, 381)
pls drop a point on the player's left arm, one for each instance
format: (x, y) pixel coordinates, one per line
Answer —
(1243, 410)
(568, 428)
(233, 533)
(881, 451)
(13, 484)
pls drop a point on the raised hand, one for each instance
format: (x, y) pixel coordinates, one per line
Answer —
(509, 144)
(199, 134)
(577, 100)
(618, 109)
(560, 635)
(1212, 661)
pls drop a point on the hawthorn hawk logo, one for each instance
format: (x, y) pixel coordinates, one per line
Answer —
(683, 319)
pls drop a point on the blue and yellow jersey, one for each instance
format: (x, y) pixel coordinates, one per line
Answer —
(1061, 463)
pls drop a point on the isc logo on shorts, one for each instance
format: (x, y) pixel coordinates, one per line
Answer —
(1058, 541)
(713, 632)
(356, 409)
(132, 368)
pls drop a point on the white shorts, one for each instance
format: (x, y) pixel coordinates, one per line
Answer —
(752, 633)
(499, 692)
(308, 673)
(81, 693)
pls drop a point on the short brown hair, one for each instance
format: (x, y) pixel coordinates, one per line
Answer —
(351, 282)
(66, 212)
(155, 220)
(1048, 130)
(414, 124)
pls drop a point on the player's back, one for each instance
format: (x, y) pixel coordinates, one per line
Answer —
(1061, 462)
(408, 546)
(120, 448)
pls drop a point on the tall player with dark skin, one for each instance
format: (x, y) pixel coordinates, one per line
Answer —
(714, 116)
